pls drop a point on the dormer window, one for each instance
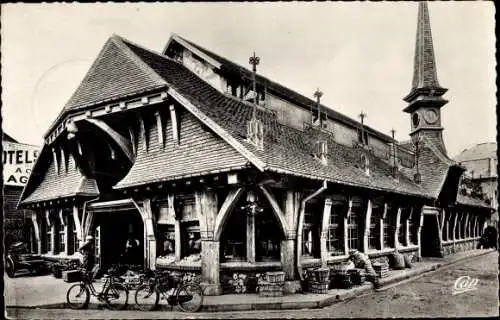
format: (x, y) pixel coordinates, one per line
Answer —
(322, 151)
(363, 137)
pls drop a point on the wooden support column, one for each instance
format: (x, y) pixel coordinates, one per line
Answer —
(36, 230)
(291, 207)
(159, 127)
(250, 237)
(419, 233)
(206, 207)
(172, 211)
(78, 226)
(146, 212)
(408, 231)
(366, 232)
(466, 226)
(381, 227)
(346, 229)
(324, 231)
(64, 224)
(455, 213)
(474, 227)
(397, 245)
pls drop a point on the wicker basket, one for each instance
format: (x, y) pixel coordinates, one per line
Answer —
(318, 287)
(275, 277)
(322, 275)
(71, 276)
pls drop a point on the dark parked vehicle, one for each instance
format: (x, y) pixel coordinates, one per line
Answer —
(20, 258)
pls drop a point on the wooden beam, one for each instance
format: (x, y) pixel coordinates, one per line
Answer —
(397, 245)
(466, 226)
(226, 209)
(455, 225)
(366, 231)
(76, 221)
(132, 139)
(175, 124)
(276, 209)
(56, 161)
(159, 127)
(250, 236)
(419, 232)
(143, 133)
(63, 159)
(36, 230)
(122, 142)
(346, 229)
(324, 231)
(381, 227)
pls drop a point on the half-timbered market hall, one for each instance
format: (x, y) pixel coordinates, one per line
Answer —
(219, 172)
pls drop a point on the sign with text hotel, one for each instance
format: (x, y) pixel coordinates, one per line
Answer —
(18, 159)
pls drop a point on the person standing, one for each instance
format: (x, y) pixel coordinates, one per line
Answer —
(88, 256)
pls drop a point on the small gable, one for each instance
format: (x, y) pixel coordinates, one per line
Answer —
(115, 73)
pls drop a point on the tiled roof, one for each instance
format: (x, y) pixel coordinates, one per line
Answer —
(465, 200)
(286, 149)
(230, 66)
(198, 153)
(56, 186)
(479, 151)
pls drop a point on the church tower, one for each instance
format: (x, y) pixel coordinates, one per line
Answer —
(425, 98)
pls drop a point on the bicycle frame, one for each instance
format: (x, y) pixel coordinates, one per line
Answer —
(89, 283)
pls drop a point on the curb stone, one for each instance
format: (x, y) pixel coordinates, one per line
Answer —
(328, 300)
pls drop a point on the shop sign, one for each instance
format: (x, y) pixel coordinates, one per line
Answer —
(18, 160)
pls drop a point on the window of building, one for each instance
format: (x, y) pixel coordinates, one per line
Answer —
(405, 215)
(166, 240)
(310, 231)
(97, 243)
(374, 235)
(414, 224)
(191, 239)
(390, 226)
(267, 237)
(49, 238)
(335, 236)
(355, 228)
(234, 236)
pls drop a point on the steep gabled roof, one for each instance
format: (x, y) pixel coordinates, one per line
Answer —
(53, 185)
(6, 137)
(287, 150)
(234, 68)
(114, 74)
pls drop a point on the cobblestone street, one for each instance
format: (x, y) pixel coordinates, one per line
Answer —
(428, 296)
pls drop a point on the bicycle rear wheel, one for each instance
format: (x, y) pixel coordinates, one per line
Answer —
(146, 297)
(116, 296)
(190, 297)
(78, 296)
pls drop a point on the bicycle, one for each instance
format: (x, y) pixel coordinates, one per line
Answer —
(113, 292)
(188, 295)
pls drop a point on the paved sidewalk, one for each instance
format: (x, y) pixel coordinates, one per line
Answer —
(48, 292)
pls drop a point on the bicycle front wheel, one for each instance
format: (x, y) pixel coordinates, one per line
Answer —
(146, 297)
(78, 296)
(116, 296)
(190, 297)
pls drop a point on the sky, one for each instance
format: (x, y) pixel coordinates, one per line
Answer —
(359, 54)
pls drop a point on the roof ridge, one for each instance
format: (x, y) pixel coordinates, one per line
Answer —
(120, 41)
(382, 135)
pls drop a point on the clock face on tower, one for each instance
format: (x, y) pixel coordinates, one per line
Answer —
(430, 116)
(415, 119)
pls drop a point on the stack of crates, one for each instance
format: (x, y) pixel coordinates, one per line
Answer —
(382, 269)
(273, 287)
(318, 280)
(358, 276)
(341, 277)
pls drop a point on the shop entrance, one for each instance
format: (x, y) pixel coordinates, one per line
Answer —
(430, 237)
(121, 239)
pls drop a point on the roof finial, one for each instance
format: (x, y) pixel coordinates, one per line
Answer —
(318, 94)
(254, 61)
(362, 116)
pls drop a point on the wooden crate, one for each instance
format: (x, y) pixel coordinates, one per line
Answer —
(275, 277)
(271, 289)
(358, 276)
(382, 269)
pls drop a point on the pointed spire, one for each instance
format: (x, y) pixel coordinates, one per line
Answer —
(424, 69)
